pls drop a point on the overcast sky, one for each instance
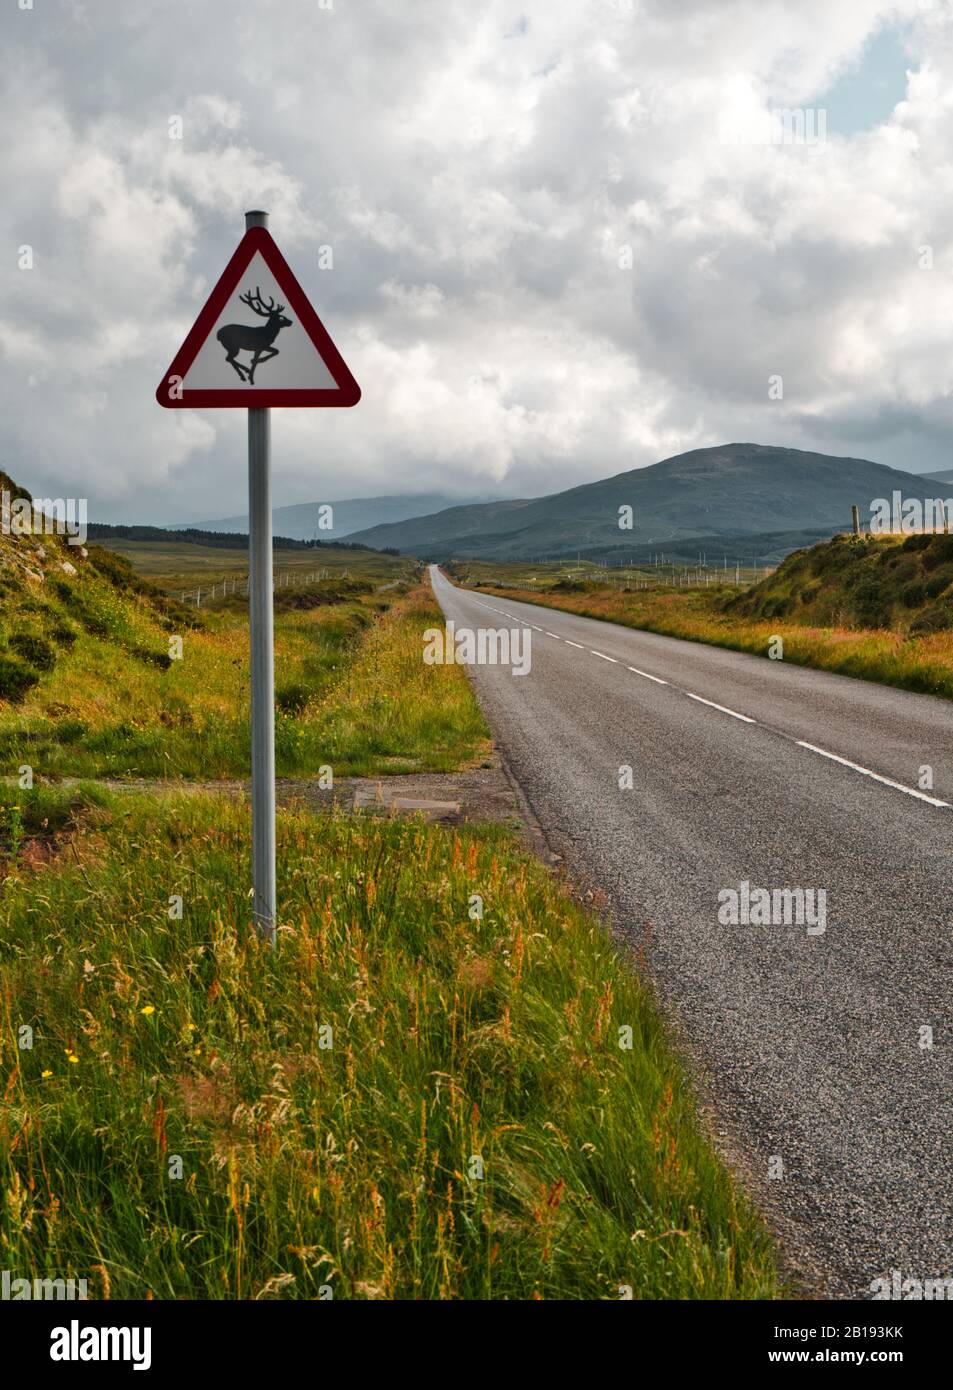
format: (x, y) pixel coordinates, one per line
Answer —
(478, 171)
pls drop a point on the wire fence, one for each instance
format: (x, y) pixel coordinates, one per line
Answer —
(204, 594)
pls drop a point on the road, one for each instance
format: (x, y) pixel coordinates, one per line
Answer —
(809, 1045)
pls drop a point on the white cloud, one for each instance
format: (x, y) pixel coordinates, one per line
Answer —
(476, 172)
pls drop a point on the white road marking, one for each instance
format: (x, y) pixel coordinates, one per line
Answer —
(866, 772)
(657, 679)
(745, 718)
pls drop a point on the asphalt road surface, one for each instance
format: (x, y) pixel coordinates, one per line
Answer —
(812, 1047)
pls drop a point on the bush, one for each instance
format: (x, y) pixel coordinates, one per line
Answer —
(35, 651)
(937, 618)
(64, 634)
(939, 580)
(160, 659)
(71, 730)
(292, 699)
(15, 678)
(941, 551)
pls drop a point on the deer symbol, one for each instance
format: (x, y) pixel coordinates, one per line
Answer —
(240, 337)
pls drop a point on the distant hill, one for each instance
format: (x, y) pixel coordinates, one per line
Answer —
(300, 522)
(727, 491)
(946, 477)
(217, 540)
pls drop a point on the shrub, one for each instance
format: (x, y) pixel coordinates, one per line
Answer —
(64, 634)
(937, 618)
(35, 651)
(16, 678)
(160, 659)
(292, 698)
(71, 730)
(939, 580)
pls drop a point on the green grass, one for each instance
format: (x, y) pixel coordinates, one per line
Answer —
(177, 565)
(878, 609)
(351, 1166)
(104, 674)
(352, 690)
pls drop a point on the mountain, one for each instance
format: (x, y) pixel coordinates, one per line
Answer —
(945, 477)
(300, 522)
(728, 491)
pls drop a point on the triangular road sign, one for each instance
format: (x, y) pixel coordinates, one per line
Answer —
(257, 342)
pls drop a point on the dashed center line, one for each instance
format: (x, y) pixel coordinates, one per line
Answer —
(745, 718)
(657, 679)
(878, 777)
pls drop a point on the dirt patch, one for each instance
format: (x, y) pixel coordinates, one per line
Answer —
(478, 795)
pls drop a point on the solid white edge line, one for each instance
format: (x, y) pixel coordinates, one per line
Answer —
(878, 777)
(745, 718)
(657, 679)
(604, 657)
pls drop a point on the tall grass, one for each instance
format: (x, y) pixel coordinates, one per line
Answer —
(921, 663)
(403, 1100)
(352, 692)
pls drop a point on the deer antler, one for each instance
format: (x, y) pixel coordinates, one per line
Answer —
(255, 302)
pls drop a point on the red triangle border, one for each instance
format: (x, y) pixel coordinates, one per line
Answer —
(258, 239)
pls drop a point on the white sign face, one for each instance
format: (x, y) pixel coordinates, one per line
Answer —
(258, 342)
(255, 341)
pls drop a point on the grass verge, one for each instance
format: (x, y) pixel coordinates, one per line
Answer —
(352, 692)
(911, 661)
(402, 1101)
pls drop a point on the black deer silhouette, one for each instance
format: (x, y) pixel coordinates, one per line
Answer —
(240, 337)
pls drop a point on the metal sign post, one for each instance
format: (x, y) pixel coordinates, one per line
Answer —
(261, 621)
(261, 615)
(301, 367)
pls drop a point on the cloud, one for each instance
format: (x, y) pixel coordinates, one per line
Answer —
(563, 243)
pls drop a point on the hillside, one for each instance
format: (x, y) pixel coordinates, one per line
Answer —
(57, 598)
(93, 684)
(905, 585)
(877, 608)
(300, 522)
(730, 490)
